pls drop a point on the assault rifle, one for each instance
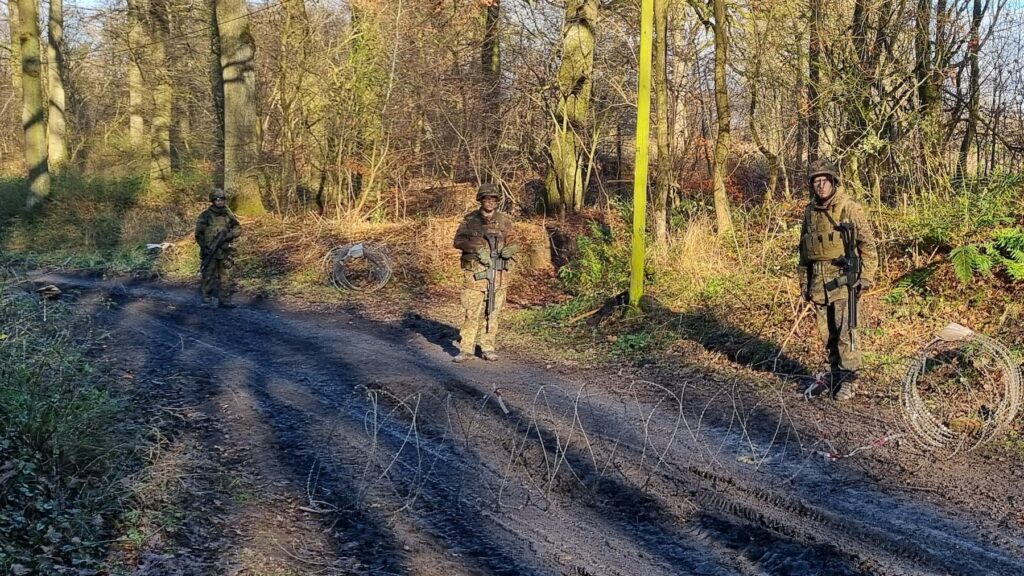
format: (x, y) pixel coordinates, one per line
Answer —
(498, 264)
(211, 254)
(851, 265)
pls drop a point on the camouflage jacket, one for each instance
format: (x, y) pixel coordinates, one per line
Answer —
(821, 247)
(472, 232)
(210, 223)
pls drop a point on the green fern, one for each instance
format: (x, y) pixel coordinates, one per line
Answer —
(1005, 251)
(987, 260)
(1015, 269)
(967, 260)
(1010, 240)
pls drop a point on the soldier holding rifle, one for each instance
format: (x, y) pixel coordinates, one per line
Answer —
(838, 260)
(216, 229)
(484, 239)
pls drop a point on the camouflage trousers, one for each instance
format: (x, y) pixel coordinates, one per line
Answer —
(218, 278)
(833, 328)
(476, 330)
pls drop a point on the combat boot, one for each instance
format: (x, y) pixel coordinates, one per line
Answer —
(844, 387)
(462, 357)
(227, 304)
(490, 355)
(206, 303)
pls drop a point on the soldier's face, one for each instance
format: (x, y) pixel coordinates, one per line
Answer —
(219, 202)
(823, 187)
(489, 204)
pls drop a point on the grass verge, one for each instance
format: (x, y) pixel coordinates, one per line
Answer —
(58, 466)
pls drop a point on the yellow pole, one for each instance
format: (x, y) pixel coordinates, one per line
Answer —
(643, 125)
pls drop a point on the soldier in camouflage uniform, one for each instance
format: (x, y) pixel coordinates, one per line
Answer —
(215, 222)
(471, 239)
(821, 249)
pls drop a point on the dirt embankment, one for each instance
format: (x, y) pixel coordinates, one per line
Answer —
(360, 448)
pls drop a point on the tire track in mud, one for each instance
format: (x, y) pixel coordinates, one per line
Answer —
(877, 549)
(313, 376)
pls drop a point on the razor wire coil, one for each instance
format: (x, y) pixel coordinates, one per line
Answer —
(359, 267)
(928, 428)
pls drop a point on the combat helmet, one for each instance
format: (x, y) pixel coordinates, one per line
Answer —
(487, 189)
(218, 194)
(823, 168)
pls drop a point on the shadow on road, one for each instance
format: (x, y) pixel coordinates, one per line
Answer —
(437, 333)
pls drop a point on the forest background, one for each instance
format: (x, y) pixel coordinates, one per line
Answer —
(330, 121)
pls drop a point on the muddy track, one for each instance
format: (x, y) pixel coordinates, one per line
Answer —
(414, 467)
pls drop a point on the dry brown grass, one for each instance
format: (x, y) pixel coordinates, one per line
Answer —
(688, 261)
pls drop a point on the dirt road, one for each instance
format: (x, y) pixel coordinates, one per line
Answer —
(365, 450)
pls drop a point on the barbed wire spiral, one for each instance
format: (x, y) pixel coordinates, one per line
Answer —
(975, 391)
(360, 267)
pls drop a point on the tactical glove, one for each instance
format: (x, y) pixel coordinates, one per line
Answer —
(484, 255)
(509, 251)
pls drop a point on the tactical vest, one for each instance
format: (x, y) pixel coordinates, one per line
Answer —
(498, 225)
(215, 223)
(821, 241)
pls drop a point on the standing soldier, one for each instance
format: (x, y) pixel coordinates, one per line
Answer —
(216, 228)
(484, 238)
(838, 259)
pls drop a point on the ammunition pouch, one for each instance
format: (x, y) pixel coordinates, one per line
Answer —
(838, 282)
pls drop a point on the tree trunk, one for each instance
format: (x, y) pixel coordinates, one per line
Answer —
(663, 175)
(160, 87)
(723, 216)
(974, 98)
(929, 99)
(293, 96)
(683, 133)
(858, 97)
(56, 123)
(181, 133)
(14, 24)
(137, 40)
(490, 68)
(565, 186)
(803, 101)
(217, 92)
(15, 60)
(33, 118)
(813, 82)
(923, 52)
(241, 147)
(774, 163)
